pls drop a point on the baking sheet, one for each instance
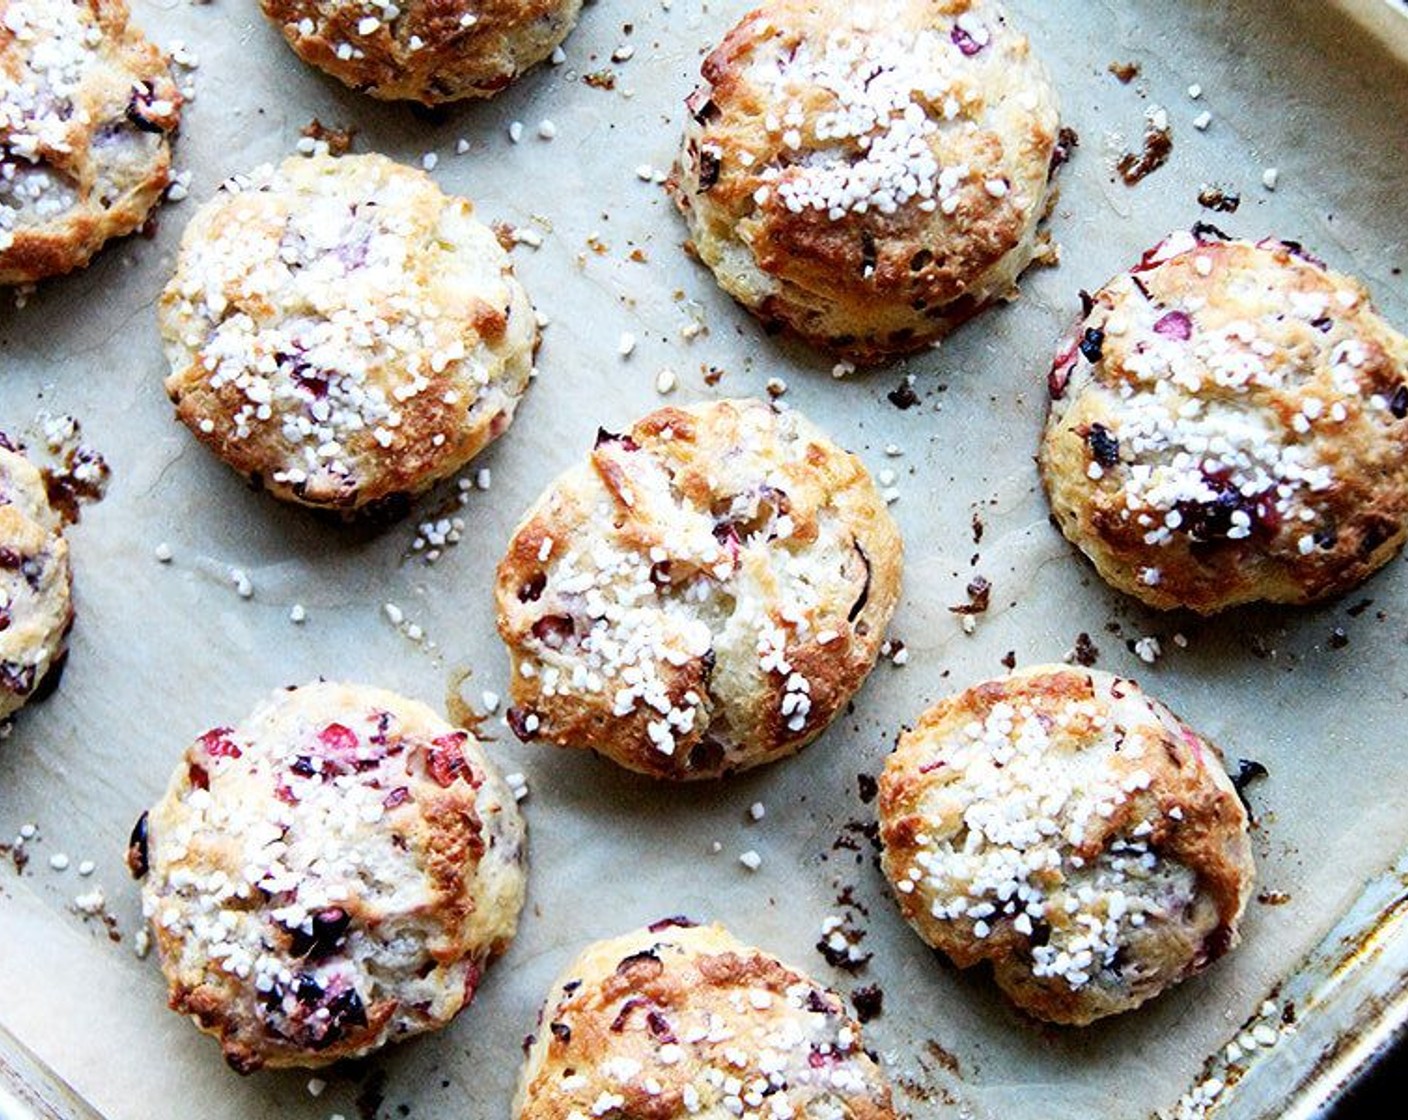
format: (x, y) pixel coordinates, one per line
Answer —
(162, 651)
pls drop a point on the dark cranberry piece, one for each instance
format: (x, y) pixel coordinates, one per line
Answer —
(965, 42)
(328, 935)
(868, 255)
(864, 596)
(553, 630)
(1206, 231)
(701, 107)
(1092, 344)
(10, 559)
(345, 1013)
(659, 1027)
(818, 1004)
(627, 963)
(19, 679)
(624, 1015)
(5, 619)
(138, 861)
(398, 796)
(1248, 771)
(198, 775)
(532, 591)
(561, 1031)
(139, 108)
(903, 397)
(1176, 325)
(604, 436)
(1398, 403)
(660, 573)
(869, 1002)
(518, 723)
(678, 921)
(709, 167)
(445, 758)
(217, 743)
(1324, 324)
(1103, 446)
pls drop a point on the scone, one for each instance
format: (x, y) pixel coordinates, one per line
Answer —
(87, 111)
(422, 50)
(344, 333)
(36, 610)
(1071, 831)
(869, 173)
(677, 1022)
(1229, 423)
(333, 874)
(702, 596)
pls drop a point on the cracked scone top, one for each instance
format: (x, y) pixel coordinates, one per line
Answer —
(430, 51)
(343, 332)
(703, 596)
(333, 874)
(36, 610)
(869, 173)
(1229, 423)
(677, 1022)
(1071, 831)
(87, 111)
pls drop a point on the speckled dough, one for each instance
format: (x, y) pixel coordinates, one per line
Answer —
(333, 874)
(703, 596)
(87, 111)
(1070, 830)
(36, 610)
(424, 50)
(678, 1023)
(343, 332)
(869, 173)
(1229, 423)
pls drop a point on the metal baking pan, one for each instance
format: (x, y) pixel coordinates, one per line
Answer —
(162, 651)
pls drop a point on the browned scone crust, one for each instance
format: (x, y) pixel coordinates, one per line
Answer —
(869, 173)
(1229, 423)
(430, 51)
(1071, 831)
(343, 332)
(703, 596)
(87, 111)
(676, 1022)
(333, 874)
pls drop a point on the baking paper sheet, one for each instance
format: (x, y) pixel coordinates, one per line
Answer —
(162, 651)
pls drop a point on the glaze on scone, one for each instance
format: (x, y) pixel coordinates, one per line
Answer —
(87, 111)
(333, 874)
(686, 1023)
(869, 173)
(703, 596)
(424, 50)
(1071, 831)
(1229, 423)
(342, 332)
(36, 610)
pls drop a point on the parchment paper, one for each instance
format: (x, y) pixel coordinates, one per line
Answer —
(162, 651)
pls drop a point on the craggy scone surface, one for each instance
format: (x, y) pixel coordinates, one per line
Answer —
(1071, 831)
(1229, 423)
(36, 609)
(676, 1021)
(868, 173)
(702, 596)
(87, 111)
(343, 332)
(330, 875)
(430, 51)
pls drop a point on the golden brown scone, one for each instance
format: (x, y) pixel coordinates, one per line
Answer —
(343, 332)
(703, 596)
(1229, 423)
(331, 875)
(87, 112)
(869, 173)
(1070, 830)
(677, 1022)
(430, 51)
(36, 608)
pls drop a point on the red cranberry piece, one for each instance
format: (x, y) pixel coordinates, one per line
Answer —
(198, 775)
(398, 796)
(965, 42)
(445, 758)
(217, 743)
(518, 723)
(336, 737)
(553, 630)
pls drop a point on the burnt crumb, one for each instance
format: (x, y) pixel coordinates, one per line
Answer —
(1009, 659)
(1359, 608)
(947, 1060)
(18, 856)
(867, 787)
(1067, 141)
(868, 1001)
(979, 596)
(600, 79)
(1248, 771)
(1338, 638)
(372, 1095)
(1086, 653)
(1219, 199)
(1134, 167)
(712, 374)
(903, 396)
(978, 528)
(1126, 72)
(338, 140)
(1273, 898)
